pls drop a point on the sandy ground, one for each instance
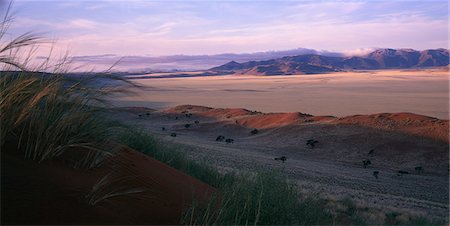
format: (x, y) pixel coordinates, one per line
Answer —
(420, 91)
(53, 192)
(334, 167)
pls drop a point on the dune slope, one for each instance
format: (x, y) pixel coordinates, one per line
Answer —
(54, 193)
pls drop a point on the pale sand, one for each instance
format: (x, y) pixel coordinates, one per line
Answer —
(348, 93)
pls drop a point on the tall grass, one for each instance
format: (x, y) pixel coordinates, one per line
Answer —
(45, 114)
(44, 118)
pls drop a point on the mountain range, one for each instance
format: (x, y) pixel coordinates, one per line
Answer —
(315, 63)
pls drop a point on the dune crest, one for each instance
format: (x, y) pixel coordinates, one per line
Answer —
(404, 122)
(272, 120)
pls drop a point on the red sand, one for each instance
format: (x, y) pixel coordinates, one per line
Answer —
(191, 108)
(272, 120)
(407, 123)
(227, 113)
(402, 122)
(53, 193)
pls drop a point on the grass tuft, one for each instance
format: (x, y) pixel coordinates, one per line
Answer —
(44, 114)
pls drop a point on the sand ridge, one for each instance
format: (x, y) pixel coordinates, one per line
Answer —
(403, 122)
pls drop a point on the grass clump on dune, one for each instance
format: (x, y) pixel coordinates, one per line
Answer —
(45, 114)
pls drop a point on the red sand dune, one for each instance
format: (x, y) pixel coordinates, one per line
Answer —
(272, 120)
(323, 118)
(190, 108)
(227, 113)
(407, 123)
(402, 122)
(53, 193)
(218, 113)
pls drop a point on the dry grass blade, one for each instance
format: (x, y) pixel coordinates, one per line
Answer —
(23, 40)
(110, 186)
(9, 49)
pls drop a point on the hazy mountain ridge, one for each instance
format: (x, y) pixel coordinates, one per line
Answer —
(313, 63)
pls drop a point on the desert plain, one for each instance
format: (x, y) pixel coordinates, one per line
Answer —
(422, 92)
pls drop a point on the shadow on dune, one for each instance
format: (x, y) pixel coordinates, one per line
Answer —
(128, 188)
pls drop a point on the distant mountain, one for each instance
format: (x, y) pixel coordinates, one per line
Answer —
(314, 63)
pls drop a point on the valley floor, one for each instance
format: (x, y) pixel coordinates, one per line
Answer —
(422, 91)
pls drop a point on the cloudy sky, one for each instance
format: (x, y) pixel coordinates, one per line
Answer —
(208, 27)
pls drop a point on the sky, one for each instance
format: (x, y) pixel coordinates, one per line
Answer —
(155, 28)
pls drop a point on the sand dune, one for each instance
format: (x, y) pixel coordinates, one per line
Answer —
(272, 120)
(407, 123)
(54, 193)
(403, 122)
